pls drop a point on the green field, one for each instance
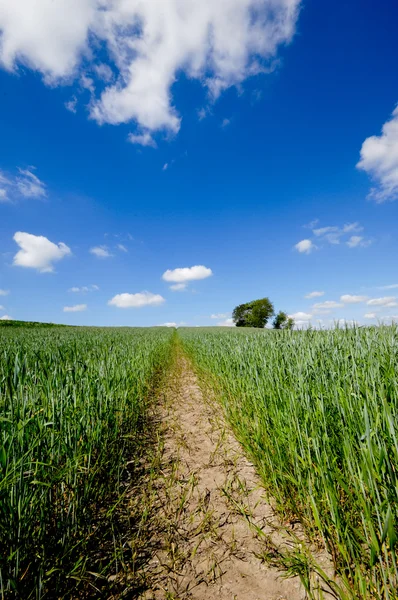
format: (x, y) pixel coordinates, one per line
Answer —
(72, 404)
(316, 411)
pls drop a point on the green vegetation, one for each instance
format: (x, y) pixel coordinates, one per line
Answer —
(317, 411)
(257, 313)
(30, 324)
(73, 404)
(282, 321)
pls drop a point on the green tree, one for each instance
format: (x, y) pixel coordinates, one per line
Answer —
(253, 314)
(283, 321)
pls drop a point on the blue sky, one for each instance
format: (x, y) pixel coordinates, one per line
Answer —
(264, 152)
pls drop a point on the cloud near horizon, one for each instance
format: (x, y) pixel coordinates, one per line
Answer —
(183, 275)
(136, 300)
(75, 308)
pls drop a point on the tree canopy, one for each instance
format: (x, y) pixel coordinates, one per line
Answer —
(253, 314)
(257, 313)
(283, 321)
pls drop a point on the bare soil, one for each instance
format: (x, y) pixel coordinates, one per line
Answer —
(212, 530)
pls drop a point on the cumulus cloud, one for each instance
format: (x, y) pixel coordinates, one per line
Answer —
(314, 295)
(219, 316)
(370, 316)
(379, 159)
(37, 252)
(348, 299)
(168, 325)
(327, 304)
(185, 274)
(301, 316)
(388, 301)
(148, 43)
(6, 318)
(100, 251)
(226, 323)
(136, 300)
(305, 246)
(178, 287)
(4, 292)
(25, 184)
(76, 308)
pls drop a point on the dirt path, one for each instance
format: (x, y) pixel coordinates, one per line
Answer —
(213, 527)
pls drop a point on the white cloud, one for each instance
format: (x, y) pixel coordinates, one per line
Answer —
(76, 308)
(71, 105)
(219, 316)
(321, 311)
(168, 325)
(327, 304)
(136, 300)
(84, 289)
(352, 227)
(100, 251)
(2, 308)
(301, 316)
(388, 301)
(314, 295)
(142, 139)
(184, 274)
(165, 167)
(87, 83)
(122, 248)
(6, 318)
(333, 234)
(4, 292)
(370, 316)
(379, 159)
(226, 323)
(37, 252)
(103, 72)
(348, 299)
(358, 240)
(23, 185)
(178, 287)
(346, 323)
(321, 231)
(29, 185)
(393, 286)
(305, 246)
(149, 44)
(225, 123)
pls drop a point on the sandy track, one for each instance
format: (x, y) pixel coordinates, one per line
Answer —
(208, 505)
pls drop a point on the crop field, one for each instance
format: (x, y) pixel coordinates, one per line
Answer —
(72, 402)
(315, 412)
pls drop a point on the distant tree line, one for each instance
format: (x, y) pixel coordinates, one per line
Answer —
(257, 313)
